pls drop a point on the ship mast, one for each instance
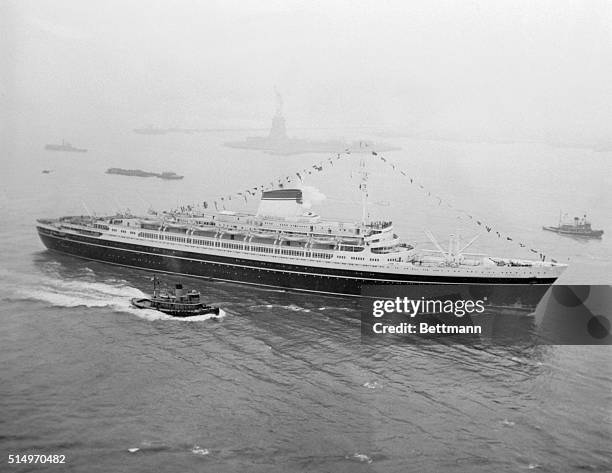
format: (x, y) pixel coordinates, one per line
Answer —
(365, 216)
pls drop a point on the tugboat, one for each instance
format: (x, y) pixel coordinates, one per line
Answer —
(179, 304)
(580, 228)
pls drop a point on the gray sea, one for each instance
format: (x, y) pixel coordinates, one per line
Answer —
(283, 382)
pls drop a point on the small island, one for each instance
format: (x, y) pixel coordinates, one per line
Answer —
(169, 175)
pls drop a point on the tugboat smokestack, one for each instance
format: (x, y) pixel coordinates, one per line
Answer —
(178, 290)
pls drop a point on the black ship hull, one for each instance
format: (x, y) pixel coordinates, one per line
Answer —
(505, 291)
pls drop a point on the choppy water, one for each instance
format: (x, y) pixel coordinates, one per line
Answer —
(282, 382)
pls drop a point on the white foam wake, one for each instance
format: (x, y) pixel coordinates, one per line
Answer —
(199, 450)
(372, 385)
(291, 307)
(113, 294)
(360, 457)
(76, 293)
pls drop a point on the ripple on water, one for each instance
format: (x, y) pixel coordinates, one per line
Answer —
(360, 457)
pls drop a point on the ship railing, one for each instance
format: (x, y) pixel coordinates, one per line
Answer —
(76, 224)
(317, 231)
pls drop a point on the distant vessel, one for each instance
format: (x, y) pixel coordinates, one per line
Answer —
(579, 228)
(130, 172)
(150, 130)
(277, 141)
(65, 146)
(46, 171)
(169, 175)
(179, 304)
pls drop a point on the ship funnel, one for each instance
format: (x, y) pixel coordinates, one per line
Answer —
(281, 203)
(178, 290)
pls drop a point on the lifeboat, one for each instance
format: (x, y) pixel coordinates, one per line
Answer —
(204, 231)
(232, 231)
(176, 227)
(150, 222)
(284, 236)
(350, 240)
(264, 234)
(324, 241)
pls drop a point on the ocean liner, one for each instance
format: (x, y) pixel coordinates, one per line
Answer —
(286, 245)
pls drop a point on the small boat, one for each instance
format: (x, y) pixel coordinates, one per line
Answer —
(65, 146)
(232, 231)
(293, 237)
(140, 173)
(179, 304)
(350, 240)
(264, 234)
(579, 228)
(324, 241)
(205, 232)
(46, 171)
(169, 175)
(130, 172)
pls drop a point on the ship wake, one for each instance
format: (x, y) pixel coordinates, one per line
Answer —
(113, 294)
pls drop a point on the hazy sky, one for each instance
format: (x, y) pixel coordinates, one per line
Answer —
(474, 68)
